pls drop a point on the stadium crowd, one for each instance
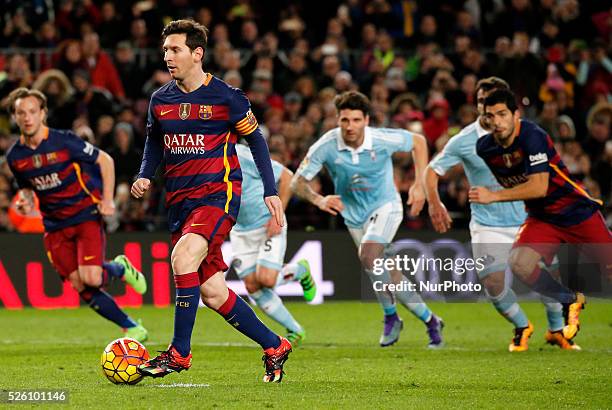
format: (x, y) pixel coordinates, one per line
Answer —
(98, 62)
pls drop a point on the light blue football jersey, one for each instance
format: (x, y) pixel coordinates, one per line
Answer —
(363, 177)
(253, 210)
(462, 149)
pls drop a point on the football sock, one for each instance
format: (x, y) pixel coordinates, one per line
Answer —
(111, 270)
(290, 272)
(105, 306)
(386, 299)
(414, 303)
(554, 313)
(545, 284)
(272, 305)
(506, 304)
(239, 314)
(185, 310)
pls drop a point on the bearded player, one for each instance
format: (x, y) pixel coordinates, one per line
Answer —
(559, 210)
(493, 227)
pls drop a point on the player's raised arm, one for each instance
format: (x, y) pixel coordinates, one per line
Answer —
(439, 166)
(416, 193)
(152, 156)
(331, 203)
(438, 214)
(308, 169)
(284, 192)
(536, 186)
(284, 187)
(246, 125)
(107, 169)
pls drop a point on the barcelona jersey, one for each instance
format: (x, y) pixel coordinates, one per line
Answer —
(198, 132)
(566, 202)
(63, 173)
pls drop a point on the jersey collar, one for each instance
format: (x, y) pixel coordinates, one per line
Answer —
(366, 145)
(480, 130)
(45, 136)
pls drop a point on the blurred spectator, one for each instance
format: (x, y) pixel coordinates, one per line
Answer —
(598, 146)
(330, 67)
(139, 35)
(296, 67)
(72, 14)
(111, 28)
(130, 74)
(69, 57)
(428, 31)
(17, 32)
(101, 68)
(549, 119)
(519, 16)
(523, 61)
(47, 36)
(18, 74)
(127, 157)
(436, 124)
(91, 102)
(383, 51)
(60, 103)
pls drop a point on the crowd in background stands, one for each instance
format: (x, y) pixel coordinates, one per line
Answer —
(99, 61)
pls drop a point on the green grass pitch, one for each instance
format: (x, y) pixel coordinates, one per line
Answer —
(339, 366)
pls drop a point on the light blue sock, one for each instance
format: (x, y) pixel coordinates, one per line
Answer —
(554, 313)
(386, 299)
(272, 305)
(507, 305)
(414, 303)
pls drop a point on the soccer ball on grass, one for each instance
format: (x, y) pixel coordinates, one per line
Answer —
(120, 360)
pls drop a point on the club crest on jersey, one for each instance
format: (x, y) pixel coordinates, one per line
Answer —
(512, 159)
(184, 110)
(51, 157)
(37, 161)
(205, 112)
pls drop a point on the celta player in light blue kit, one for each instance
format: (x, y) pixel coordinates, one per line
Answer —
(493, 227)
(259, 244)
(358, 158)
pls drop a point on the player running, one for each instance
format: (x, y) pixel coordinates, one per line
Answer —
(193, 125)
(524, 161)
(259, 244)
(358, 159)
(74, 182)
(493, 227)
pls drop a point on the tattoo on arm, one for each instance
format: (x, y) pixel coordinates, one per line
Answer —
(301, 188)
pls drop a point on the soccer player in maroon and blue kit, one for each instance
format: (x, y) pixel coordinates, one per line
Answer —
(194, 122)
(560, 210)
(75, 183)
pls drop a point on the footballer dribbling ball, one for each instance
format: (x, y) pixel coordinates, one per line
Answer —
(120, 360)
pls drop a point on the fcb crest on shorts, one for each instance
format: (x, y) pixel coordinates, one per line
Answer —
(37, 161)
(184, 110)
(206, 112)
